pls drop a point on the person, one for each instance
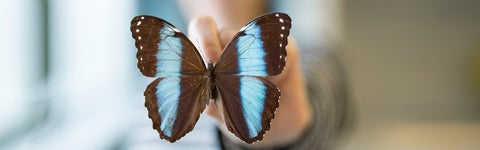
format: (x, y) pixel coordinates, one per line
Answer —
(313, 103)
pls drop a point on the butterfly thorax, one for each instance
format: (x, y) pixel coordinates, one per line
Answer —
(211, 81)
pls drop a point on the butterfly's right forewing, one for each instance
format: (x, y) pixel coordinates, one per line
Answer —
(258, 49)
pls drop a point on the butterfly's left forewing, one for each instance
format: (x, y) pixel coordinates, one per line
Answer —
(164, 51)
(250, 101)
(177, 97)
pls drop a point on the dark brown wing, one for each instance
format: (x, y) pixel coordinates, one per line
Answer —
(174, 104)
(249, 105)
(164, 51)
(177, 97)
(258, 49)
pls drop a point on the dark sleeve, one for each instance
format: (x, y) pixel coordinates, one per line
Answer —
(326, 85)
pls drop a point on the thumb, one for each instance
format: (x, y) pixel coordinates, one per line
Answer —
(204, 34)
(226, 35)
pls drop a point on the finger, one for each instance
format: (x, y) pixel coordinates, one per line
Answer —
(203, 31)
(215, 109)
(226, 35)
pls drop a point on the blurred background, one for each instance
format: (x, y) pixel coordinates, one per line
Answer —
(68, 76)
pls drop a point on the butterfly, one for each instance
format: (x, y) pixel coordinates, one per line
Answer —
(185, 82)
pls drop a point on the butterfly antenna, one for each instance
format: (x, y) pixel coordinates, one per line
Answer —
(201, 52)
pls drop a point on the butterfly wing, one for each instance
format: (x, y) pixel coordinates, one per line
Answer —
(163, 50)
(177, 97)
(258, 49)
(174, 104)
(249, 105)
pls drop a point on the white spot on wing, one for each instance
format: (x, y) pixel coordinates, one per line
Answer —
(175, 30)
(281, 35)
(243, 28)
(139, 37)
(138, 30)
(277, 15)
(281, 20)
(283, 27)
(139, 23)
(142, 17)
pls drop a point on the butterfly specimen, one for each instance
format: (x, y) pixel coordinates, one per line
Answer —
(185, 82)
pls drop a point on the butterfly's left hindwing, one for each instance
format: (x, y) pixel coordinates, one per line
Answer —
(177, 97)
(174, 104)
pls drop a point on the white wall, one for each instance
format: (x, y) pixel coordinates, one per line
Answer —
(20, 67)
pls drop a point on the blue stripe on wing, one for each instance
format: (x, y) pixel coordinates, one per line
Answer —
(252, 95)
(164, 51)
(168, 92)
(258, 49)
(251, 53)
(177, 97)
(174, 104)
(169, 54)
(249, 105)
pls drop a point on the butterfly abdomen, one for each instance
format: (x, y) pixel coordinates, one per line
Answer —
(212, 91)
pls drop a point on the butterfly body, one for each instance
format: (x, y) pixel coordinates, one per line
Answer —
(211, 81)
(185, 83)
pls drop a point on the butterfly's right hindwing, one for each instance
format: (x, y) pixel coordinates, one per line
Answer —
(249, 105)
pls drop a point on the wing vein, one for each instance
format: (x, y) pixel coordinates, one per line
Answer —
(183, 58)
(239, 55)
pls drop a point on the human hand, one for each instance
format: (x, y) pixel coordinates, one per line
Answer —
(294, 114)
